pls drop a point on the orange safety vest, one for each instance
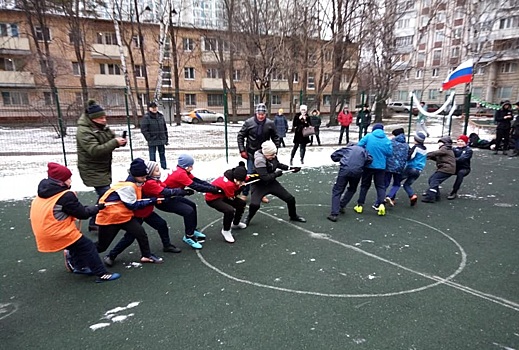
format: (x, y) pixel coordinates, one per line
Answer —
(116, 213)
(51, 234)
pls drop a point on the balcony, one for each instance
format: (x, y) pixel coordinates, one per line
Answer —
(211, 57)
(212, 84)
(15, 79)
(100, 51)
(279, 86)
(14, 46)
(109, 80)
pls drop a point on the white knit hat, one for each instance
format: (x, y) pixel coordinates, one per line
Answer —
(303, 107)
(268, 148)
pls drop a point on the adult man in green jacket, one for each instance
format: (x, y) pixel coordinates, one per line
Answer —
(95, 144)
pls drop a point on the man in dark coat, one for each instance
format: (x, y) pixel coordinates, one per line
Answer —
(153, 127)
(95, 144)
(255, 130)
(504, 118)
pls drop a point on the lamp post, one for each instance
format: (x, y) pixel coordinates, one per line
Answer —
(175, 66)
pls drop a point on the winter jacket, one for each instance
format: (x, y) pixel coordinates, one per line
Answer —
(281, 125)
(444, 158)
(502, 123)
(352, 160)
(227, 184)
(250, 141)
(345, 119)
(378, 146)
(315, 120)
(95, 144)
(53, 216)
(417, 157)
(266, 168)
(154, 129)
(298, 124)
(396, 163)
(181, 178)
(364, 115)
(154, 188)
(463, 156)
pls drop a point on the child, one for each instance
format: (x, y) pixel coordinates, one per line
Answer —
(266, 165)
(395, 164)
(414, 166)
(181, 178)
(53, 215)
(463, 154)
(352, 160)
(121, 200)
(315, 120)
(445, 168)
(227, 202)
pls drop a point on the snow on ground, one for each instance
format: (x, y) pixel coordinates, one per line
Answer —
(206, 143)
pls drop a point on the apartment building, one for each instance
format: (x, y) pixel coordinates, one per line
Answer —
(433, 37)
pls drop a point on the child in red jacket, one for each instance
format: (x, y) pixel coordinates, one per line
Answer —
(227, 202)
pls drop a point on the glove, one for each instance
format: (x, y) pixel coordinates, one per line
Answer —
(189, 192)
(153, 200)
(244, 155)
(218, 190)
(101, 206)
(278, 173)
(295, 169)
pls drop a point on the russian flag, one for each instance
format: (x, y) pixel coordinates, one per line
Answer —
(462, 74)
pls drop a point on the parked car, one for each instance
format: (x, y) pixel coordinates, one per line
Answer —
(200, 115)
(399, 107)
(431, 107)
(474, 109)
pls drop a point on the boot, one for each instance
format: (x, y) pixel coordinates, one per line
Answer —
(291, 162)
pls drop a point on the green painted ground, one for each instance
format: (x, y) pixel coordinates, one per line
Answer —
(436, 276)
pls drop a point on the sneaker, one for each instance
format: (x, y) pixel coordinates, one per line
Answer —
(413, 199)
(246, 221)
(298, 219)
(83, 271)
(227, 235)
(332, 218)
(152, 259)
(265, 200)
(68, 260)
(427, 200)
(358, 209)
(192, 242)
(381, 210)
(342, 211)
(240, 225)
(452, 196)
(390, 201)
(171, 249)
(108, 261)
(200, 237)
(108, 277)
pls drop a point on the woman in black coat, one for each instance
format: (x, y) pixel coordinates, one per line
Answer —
(301, 120)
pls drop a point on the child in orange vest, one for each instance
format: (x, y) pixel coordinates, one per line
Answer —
(53, 219)
(227, 202)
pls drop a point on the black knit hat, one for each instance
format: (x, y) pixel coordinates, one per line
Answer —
(138, 167)
(398, 131)
(239, 173)
(94, 110)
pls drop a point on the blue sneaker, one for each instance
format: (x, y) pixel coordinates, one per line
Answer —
(83, 271)
(192, 242)
(200, 237)
(68, 261)
(107, 277)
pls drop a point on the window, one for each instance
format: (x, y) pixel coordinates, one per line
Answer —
(504, 93)
(277, 75)
(327, 100)
(215, 100)
(239, 99)
(508, 67)
(48, 98)
(276, 99)
(167, 49)
(433, 94)
(328, 55)
(406, 74)
(108, 38)
(109, 69)
(139, 71)
(190, 99)
(295, 78)
(456, 33)
(404, 41)
(78, 97)
(419, 74)
(166, 76)
(212, 73)
(236, 75)
(8, 29)
(510, 22)
(402, 23)
(455, 52)
(13, 98)
(437, 55)
(43, 66)
(42, 33)
(418, 94)
(75, 68)
(477, 92)
(435, 72)
(189, 73)
(311, 81)
(113, 99)
(210, 44)
(400, 95)
(188, 44)
(480, 70)
(137, 40)
(438, 36)
(420, 57)
(440, 17)
(7, 64)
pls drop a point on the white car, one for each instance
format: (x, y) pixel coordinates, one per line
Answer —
(201, 115)
(399, 107)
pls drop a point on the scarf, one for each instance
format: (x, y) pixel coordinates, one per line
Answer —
(259, 129)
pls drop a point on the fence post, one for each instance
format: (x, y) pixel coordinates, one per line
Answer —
(361, 114)
(128, 121)
(225, 114)
(62, 132)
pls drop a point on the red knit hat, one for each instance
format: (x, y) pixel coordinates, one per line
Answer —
(465, 138)
(58, 172)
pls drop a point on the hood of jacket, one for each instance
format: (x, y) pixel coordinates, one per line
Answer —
(378, 133)
(50, 187)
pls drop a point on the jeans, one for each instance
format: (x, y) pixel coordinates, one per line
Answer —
(162, 154)
(343, 129)
(338, 200)
(397, 180)
(250, 170)
(378, 176)
(460, 174)
(83, 253)
(100, 190)
(409, 176)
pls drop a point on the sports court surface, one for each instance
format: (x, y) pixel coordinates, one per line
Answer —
(435, 276)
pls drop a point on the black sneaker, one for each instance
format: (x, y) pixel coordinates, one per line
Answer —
(452, 196)
(298, 219)
(332, 218)
(171, 249)
(342, 211)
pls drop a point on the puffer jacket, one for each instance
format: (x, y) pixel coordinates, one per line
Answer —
(352, 159)
(444, 158)
(378, 146)
(153, 127)
(95, 145)
(249, 141)
(396, 163)
(463, 156)
(281, 125)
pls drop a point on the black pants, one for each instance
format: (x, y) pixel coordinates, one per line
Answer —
(133, 228)
(436, 179)
(460, 174)
(316, 128)
(347, 130)
(502, 135)
(83, 254)
(183, 207)
(302, 151)
(232, 210)
(378, 177)
(261, 189)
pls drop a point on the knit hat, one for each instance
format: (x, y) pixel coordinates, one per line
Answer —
(446, 140)
(268, 148)
(58, 172)
(377, 126)
(398, 131)
(261, 108)
(94, 110)
(420, 137)
(152, 104)
(465, 138)
(239, 173)
(150, 167)
(185, 160)
(303, 108)
(138, 168)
